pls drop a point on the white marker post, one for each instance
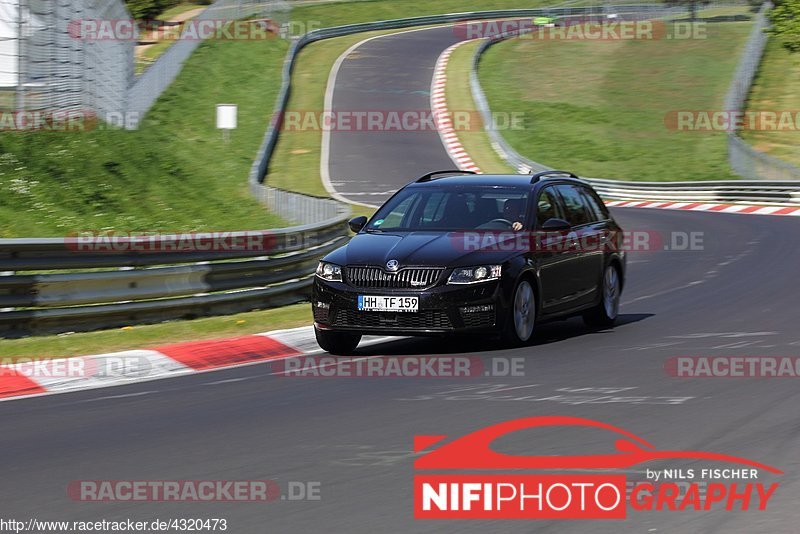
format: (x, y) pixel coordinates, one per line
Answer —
(227, 119)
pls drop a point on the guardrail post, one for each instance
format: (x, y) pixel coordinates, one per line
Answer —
(7, 273)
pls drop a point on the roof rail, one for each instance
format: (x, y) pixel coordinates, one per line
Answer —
(430, 176)
(544, 174)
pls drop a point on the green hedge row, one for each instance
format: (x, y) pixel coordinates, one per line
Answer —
(150, 9)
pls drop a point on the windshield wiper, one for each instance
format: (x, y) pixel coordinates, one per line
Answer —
(374, 231)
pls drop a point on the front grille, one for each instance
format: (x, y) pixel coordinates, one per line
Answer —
(483, 319)
(408, 278)
(320, 315)
(423, 320)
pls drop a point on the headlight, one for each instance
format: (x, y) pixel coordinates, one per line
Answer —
(472, 275)
(329, 272)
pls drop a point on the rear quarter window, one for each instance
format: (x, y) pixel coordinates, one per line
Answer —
(547, 206)
(597, 209)
(575, 209)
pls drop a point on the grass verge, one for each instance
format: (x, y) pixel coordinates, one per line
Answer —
(296, 162)
(459, 98)
(295, 166)
(180, 9)
(148, 336)
(337, 13)
(150, 54)
(173, 174)
(598, 107)
(775, 89)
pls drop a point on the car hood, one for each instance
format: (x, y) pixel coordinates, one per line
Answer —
(450, 249)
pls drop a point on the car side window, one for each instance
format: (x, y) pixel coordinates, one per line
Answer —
(547, 206)
(575, 208)
(595, 205)
(396, 218)
(434, 209)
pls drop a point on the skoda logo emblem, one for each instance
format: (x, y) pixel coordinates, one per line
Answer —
(393, 265)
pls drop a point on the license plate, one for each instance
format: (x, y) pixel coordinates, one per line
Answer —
(388, 304)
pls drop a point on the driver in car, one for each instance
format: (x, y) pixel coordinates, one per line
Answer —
(514, 212)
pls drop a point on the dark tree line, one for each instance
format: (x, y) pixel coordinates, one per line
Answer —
(785, 19)
(150, 9)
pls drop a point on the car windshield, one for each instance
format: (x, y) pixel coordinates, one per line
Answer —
(452, 209)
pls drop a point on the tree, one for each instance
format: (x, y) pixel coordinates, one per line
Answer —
(786, 24)
(150, 9)
(146, 9)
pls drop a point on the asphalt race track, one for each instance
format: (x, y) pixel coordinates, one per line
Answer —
(387, 74)
(735, 297)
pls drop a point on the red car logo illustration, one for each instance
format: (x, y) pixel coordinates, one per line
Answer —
(473, 451)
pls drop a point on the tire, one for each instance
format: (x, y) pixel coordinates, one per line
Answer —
(337, 343)
(521, 321)
(605, 313)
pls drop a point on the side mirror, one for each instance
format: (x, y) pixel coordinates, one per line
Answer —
(556, 225)
(357, 224)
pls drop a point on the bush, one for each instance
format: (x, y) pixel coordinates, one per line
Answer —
(786, 24)
(150, 9)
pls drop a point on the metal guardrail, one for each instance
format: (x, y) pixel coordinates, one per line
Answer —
(776, 189)
(743, 158)
(750, 163)
(503, 149)
(143, 287)
(150, 287)
(737, 93)
(261, 164)
(153, 280)
(148, 87)
(777, 193)
(501, 146)
(53, 290)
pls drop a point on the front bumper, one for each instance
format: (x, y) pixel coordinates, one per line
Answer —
(443, 309)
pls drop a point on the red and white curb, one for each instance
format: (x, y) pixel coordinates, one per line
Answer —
(37, 377)
(702, 206)
(460, 156)
(441, 114)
